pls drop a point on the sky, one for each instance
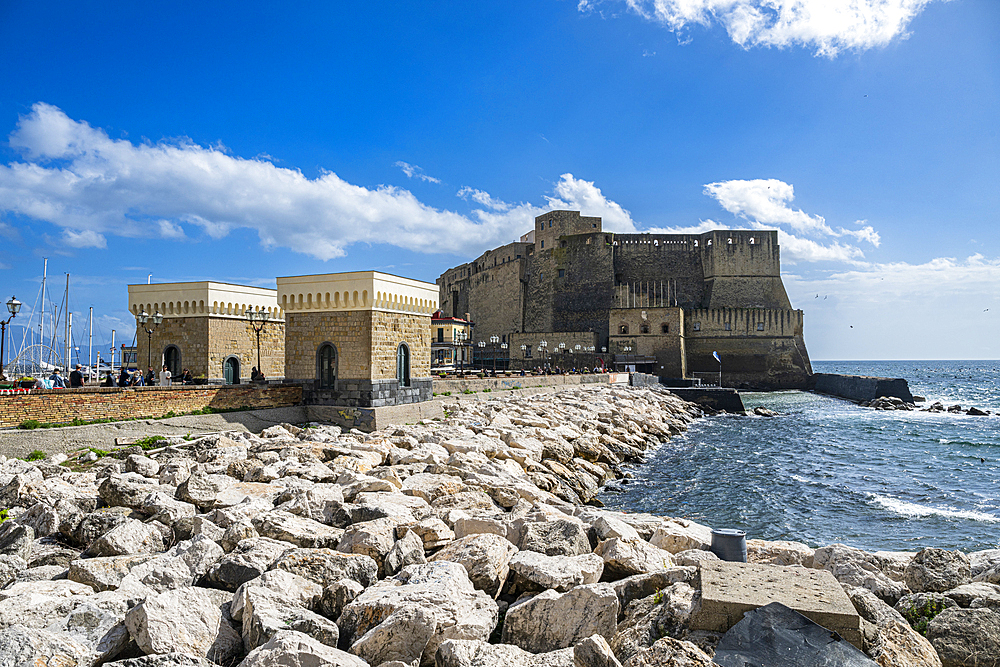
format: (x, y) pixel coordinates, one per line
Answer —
(240, 141)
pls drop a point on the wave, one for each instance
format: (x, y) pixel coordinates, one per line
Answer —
(914, 510)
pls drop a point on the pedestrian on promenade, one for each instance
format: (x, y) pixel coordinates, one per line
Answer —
(76, 378)
(164, 377)
(124, 378)
(58, 382)
(186, 377)
(150, 379)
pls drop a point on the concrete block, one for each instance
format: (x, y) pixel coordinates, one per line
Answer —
(728, 590)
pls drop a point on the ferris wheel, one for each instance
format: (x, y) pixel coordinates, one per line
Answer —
(34, 361)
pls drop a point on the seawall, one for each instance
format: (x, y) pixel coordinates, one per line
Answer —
(861, 387)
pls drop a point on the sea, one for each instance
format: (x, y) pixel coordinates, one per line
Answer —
(826, 470)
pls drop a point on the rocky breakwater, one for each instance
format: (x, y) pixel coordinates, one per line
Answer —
(461, 543)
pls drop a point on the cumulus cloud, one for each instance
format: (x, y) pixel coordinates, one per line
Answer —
(828, 27)
(765, 204)
(413, 171)
(483, 198)
(74, 176)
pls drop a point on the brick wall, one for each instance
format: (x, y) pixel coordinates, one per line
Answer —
(90, 403)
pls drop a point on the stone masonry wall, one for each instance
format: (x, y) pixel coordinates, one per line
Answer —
(91, 403)
(206, 342)
(348, 331)
(391, 329)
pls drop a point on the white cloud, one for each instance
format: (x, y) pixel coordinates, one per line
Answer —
(84, 239)
(483, 198)
(77, 178)
(826, 26)
(413, 171)
(764, 203)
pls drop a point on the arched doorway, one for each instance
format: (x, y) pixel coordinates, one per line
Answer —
(326, 366)
(172, 360)
(403, 365)
(231, 370)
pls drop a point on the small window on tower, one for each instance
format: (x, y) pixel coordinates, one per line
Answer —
(664, 328)
(696, 326)
(623, 329)
(644, 329)
(543, 244)
(729, 327)
(562, 273)
(562, 244)
(760, 326)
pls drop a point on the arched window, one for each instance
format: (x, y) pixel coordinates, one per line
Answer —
(326, 366)
(623, 329)
(403, 365)
(172, 360)
(644, 329)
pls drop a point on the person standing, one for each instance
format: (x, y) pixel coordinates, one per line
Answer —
(164, 377)
(76, 378)
(150, 377)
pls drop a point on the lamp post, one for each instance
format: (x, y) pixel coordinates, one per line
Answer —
(524, 350)
(258, 320)
(627, 348)
(460, 337)
(13, 306)
(494, 339)
(543, 348)
(503, 346)
(155, 319)
(482, 347)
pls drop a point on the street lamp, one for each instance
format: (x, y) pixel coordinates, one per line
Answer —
(543, 348)
(13, 306)
(155, 320)
(460, 337)
(524, 350)
(578, 348)
(494, 339)
(258, 320)
(503, 346)
(482, 346)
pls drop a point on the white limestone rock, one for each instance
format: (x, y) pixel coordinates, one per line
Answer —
(537, 571)
(104, 574)
(472, 653)
(31, 647)
(249, 560)
(624, 558)
(676, 535)
(407, 550)
(485, 557)
(295, 649)
(189, 620)
(264, 612)
(324, 566)
(298, 530)
(553, 620)
(129, 537)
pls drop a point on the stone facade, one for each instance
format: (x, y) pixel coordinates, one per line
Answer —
(368, 318)
(583, 279)
(204, 324)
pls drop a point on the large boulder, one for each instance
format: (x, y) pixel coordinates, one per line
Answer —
(10, 568)
(163, 660)
(779, 552)
(295, 649)
(190, 620)
(382, 643)
(407, 550)
(370, 538)
(672, 652)
(298, 530)
(99, 624)
(553, 620)
(470, 653)
(443, 588)
(663, 614)
(624, 558)
(250, 559)
(895, 642)
(486, 558)
(16, 540)
(937, 570)
(535, 571)
(560, 537)
(676, 535)
(966, 637)
(129, 537)
(105, 574)
(264, 612)
(325, 566)
(31, 647)
(966, 595)
(857, 568)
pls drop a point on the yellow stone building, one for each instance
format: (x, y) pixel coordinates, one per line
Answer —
(358, 339)
(205, 329)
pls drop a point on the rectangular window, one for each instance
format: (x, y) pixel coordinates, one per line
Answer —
(760, 326)
(664, 328)
(729, 326)
(562, 273)
(696, 326)
(441, 335)
(543, 244)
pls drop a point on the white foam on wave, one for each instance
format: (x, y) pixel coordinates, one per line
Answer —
(912, 509)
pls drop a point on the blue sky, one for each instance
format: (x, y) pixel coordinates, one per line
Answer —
(242, 141)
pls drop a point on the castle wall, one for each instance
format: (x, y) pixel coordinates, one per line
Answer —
(664, 268)
(646, 336)
(742, 270)
(761, 349)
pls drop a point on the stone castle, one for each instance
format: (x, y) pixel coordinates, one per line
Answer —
(663, 303)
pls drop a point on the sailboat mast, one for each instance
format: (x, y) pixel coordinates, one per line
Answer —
(90, 355)
(69, 323)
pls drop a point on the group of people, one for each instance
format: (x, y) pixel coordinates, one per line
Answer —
(135, 378)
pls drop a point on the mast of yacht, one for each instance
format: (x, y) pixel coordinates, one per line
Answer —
(69, 325)
(90, 355)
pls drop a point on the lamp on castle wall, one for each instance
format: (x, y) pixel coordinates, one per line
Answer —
(258, 320)
(155, 320)
(494, 339)
(503, 346)
(13, 307)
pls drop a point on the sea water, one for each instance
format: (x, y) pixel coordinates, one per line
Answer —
(826, 470)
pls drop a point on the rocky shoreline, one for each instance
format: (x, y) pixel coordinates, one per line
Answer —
(472, 541)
